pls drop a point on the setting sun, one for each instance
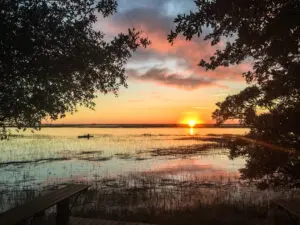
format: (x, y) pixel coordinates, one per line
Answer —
(192, 123)
(191, 118)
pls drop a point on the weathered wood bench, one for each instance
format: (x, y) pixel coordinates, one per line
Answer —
(291, 207)
(60, 198)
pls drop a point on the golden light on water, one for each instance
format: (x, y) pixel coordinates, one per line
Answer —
(191, 131)
(192, 123)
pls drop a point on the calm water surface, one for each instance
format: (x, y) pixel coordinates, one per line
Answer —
(56, 155)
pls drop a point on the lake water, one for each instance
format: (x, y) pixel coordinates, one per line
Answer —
(136, 169)
(114, 156)
(56, 155)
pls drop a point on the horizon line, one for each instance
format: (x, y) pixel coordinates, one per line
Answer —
(133, 125)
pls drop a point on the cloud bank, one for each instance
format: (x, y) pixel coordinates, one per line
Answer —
(161, 76)
(155, 19)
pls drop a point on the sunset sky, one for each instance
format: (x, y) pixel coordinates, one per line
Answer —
(165, 83)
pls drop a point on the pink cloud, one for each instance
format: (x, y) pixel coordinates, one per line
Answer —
(187, 54)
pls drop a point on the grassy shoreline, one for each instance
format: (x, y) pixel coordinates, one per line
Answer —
(154, 199)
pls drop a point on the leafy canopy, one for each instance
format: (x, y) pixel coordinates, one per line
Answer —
(52, 59)
(268, 34)
(266, 166)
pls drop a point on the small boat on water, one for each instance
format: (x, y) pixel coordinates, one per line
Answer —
(88, 136)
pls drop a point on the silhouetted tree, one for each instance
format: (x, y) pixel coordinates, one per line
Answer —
(267, 167)
(52, 59)
(268, 34)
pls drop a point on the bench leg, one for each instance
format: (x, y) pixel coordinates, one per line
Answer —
(63, 213)
(271, 215)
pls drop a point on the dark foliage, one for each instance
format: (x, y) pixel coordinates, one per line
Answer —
(52, 59)
(267, 33)
(269, 166)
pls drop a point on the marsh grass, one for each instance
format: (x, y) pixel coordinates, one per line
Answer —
(144, 197)
(154, 199)
(184, 150)
(15, 197)
(41, 160)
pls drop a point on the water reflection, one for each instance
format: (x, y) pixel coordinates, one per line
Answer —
(57, 153)
(191, 131)
(269, 167)
(196, 168)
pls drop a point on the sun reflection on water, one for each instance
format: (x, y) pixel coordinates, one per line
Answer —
(191, 131)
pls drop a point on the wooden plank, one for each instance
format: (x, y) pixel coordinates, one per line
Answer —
(94, 221)
(21, 213)
(292, 206)
(84, 221)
